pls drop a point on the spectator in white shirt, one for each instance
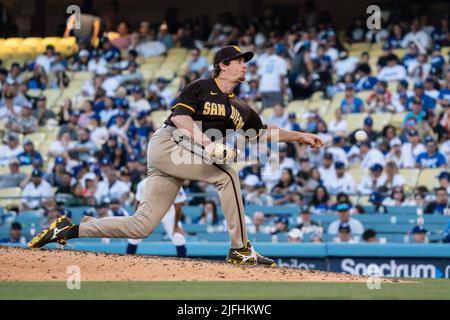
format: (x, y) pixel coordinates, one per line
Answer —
(344, 217)
(97, 61)
(338, 125)
(279, 117)
(327, 172)
(112, 188)
(392, 71)
(273, 169)
(419, 69)
(45, 60)
(342, 181)
(402, 160)
(370, 156)
(272, 72)
(37, 191)
(345, 64)
(10, 108)
(376, 179)
(139, 103)
(421, 38)
(11, 150)
(413, 147)
(393, 177)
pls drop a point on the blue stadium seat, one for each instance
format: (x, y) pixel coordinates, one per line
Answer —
(28, 218)
(260, 237)
(214, 237)
(194, 228)
(192, 211)
(291, 210)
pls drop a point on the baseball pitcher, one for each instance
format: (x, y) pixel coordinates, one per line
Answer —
(205, 109)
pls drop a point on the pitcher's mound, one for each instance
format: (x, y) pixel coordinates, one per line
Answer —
(52, 265)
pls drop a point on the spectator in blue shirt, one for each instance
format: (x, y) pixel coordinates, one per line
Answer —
(351, 103)
(437, 60)
(29, 155)
(419, 92)
(15, 234)
(293, 123)
(416, 116)
(441, 205)
(365, 80)
(431, 158)
(411, 55)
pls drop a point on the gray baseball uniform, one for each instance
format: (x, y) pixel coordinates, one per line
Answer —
(169, 165)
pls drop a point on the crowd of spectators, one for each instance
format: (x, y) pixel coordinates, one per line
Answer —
(99, 154)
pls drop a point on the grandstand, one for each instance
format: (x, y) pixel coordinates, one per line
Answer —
(95, 92)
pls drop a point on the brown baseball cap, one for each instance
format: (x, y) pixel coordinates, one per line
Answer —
(229, 53)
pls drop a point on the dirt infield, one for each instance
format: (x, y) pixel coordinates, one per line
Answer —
(51, 265)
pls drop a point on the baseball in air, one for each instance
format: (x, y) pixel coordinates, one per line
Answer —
(360, 135)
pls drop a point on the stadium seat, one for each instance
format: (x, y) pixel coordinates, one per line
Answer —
(397, 119)
(29, 218)
(428, 178)
(157, 60)
(164, 73)
(380, 120)
(9, 197)
(177, 52)
(37, 137)
(411, 176)
(83, 76)
(158, 117)
(355, 121)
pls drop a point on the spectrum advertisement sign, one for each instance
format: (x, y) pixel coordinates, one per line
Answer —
(388, 267)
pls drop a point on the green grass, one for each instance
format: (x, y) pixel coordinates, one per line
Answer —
(422, 289)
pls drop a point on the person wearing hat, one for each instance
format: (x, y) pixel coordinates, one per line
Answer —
(272, 71)
(45, 59)
(139, 103)
(280, 225)
(427, 102)
(99, 133)
(164, 91)
(306, 225)
(400, 97)
(401, 159)
(36, 192)
(430, 89)
(370, 156)
(344, 234)
(413, 146)
(342, 181)
(81, 61)
(212, 103)
(431, 158)
(351, 103)
(393, 71)
(14, 178)
(11, 149)
(444, 180)
(97, 62)
(29, 154)
(355, 225)
(327, 171)
(419, 234)
(293, 124)
(373, 181)
(15, 235)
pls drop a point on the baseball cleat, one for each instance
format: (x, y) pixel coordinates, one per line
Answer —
(56, 232)
(248, 255)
